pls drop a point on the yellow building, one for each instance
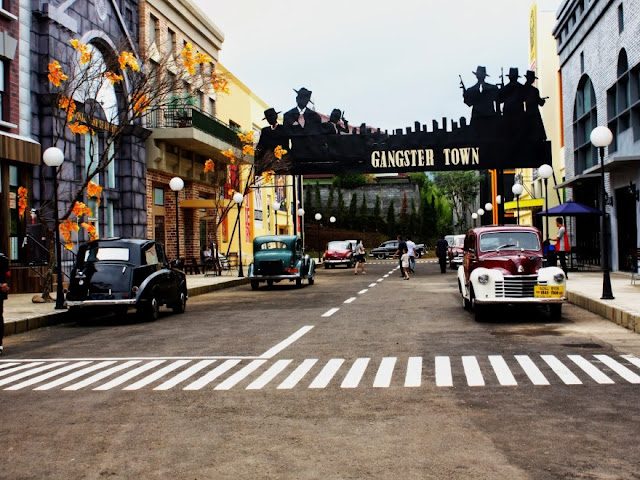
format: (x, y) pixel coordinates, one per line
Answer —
(544, 60)
(243, 110)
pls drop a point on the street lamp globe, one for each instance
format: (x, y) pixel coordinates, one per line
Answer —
(516, 189)
(474, 215)
(238, 197)
(53, 157)
(488, 207)
(601, 136)
(301, 212)
(176, 184)
(545, 171)
(318, 216)
(480, 212)
(276, 205)
(498, 199)
(332, 219)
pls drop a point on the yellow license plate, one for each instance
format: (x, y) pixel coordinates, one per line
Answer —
(543, 291)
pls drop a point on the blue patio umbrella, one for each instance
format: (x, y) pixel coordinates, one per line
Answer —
(570, 209)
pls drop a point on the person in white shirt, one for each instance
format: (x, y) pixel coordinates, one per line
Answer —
(360, 257)
(411, 249)
(406, 261)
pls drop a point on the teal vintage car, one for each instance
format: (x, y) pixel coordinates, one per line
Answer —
(280, 257)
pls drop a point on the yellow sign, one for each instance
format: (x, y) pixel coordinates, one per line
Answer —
(533, 46)
(544, 291)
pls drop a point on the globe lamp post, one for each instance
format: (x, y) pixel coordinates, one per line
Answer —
(602, 137)
(53, 157)
(276, 207)
(516, 189)
(176, 184)
(237, 199)
(545, 171)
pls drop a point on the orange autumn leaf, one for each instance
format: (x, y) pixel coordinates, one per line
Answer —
(56, 76)
(209, 166)
(140, 103)
(22, 200)
(248, 150)
(128, 59)
(67, 103)
(231, 192)
(268, 175)
(229, 154)
(246, 137)
(220, 84)
(94, 190)
(80, 209)
(113, 77)
(279, 152)
(201, 58)
(91, 230)
(77, 128)
(83, 49)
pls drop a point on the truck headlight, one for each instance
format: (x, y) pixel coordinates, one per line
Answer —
(559, 277)
(483, 279)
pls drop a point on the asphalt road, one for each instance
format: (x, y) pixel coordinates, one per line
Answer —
(355, 377)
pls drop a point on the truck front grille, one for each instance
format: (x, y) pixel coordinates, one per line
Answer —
(517, 286)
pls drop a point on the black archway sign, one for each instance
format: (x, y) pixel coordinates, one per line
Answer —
(505, 132)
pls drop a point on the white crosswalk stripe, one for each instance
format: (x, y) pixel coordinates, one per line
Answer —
(475, 371)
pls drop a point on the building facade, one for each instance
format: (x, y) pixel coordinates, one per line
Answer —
(599, 49)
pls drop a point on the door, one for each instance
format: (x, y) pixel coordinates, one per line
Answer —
(626, 206)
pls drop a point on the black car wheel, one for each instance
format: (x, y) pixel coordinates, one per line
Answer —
(381, 256)
(326, 265)
(254, 284)
(151, 311)
(181, 305)
(555, 311)
(311, 280)
(298, 282)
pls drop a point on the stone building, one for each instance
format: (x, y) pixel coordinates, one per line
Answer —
(597, 41)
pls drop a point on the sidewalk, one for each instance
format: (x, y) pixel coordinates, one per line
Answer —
(583, 289)
(21, 314)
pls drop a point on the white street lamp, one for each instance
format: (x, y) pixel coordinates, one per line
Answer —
(276, 207)
(53, 157)
(332, 219)
(237, 198)
(318, 216)
(516, 189)
(176, 184)
(474, 216)
(602, 137)
(488, 207)
(545, 172)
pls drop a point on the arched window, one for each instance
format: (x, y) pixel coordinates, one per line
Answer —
(585, 119)
(619, 100)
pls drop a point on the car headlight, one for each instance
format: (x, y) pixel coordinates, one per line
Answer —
(483, 279)
(559, 277)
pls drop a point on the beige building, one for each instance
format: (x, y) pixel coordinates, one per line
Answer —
(191, 124)
(543, 59)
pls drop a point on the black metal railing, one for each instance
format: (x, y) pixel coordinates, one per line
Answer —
(190, 116)
(38, 256)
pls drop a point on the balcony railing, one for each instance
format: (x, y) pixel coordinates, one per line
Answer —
(190, 116)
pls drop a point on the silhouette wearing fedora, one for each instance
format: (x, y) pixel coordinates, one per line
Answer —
(482, 97)
(333, 127)
(512, 96)
(301, 120)
(532, 102)
(270, 138)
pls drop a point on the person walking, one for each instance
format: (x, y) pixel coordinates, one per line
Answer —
(5, 274)
(411, 248)
(562, 245)
(361, 257)
(402, 246)
(441, 251)
(405, 260)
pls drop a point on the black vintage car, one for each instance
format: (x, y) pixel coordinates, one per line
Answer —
(119, 273)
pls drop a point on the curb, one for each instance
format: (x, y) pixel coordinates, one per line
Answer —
(615, 314)
(57, 317)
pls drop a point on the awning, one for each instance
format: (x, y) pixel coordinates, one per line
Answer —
(197, 203)
(524, 204)
(19, 149)
(579, 180)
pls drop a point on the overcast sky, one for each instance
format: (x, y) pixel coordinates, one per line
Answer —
(384, 62)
